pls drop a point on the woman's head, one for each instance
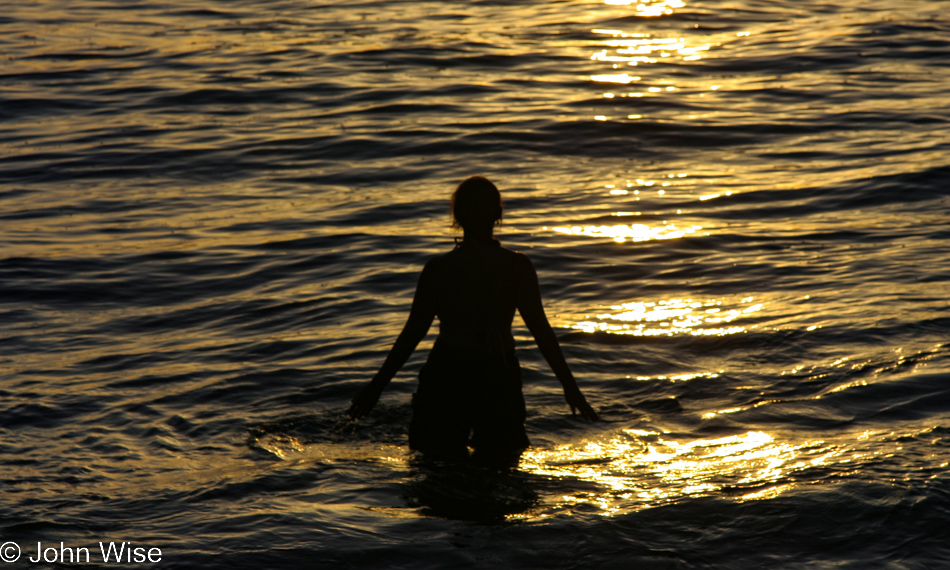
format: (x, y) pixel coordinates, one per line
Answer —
(476, 203)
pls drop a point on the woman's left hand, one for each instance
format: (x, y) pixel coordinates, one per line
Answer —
(577, 402)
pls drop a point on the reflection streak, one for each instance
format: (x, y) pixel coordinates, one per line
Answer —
(621, 233)
(671, 317)
(650, 9)
(647, 469)
(635, 48)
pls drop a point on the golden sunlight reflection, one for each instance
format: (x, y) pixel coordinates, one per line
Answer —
(635, 48)
(622, 233)
(648, 9)
(642, 468)
(622, 78)
(622, 49)
(634, 52)
(672, 317)
(681, 377)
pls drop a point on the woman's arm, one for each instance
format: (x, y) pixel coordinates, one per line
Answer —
(532, 311)
(416, 327)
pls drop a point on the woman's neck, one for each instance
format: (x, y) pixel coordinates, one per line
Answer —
(478, 236)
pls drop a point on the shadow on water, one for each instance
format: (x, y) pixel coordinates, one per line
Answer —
(470, 491)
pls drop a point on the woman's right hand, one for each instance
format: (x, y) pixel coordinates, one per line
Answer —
(365, 400)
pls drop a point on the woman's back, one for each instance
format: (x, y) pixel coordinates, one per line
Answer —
(476, 288)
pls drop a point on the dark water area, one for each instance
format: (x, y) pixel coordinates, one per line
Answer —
(213, 216)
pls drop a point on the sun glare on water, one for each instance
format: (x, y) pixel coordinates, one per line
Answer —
(640, 468)
(671, 317)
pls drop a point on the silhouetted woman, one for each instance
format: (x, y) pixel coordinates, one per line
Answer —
(471, 382)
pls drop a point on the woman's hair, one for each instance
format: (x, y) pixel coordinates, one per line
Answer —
(476, 202)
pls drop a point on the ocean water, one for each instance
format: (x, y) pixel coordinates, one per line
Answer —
(213, 215)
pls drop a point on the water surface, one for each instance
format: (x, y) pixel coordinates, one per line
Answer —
(214, 214)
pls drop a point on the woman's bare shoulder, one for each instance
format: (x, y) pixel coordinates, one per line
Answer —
(436, 265)
(515, 255)
(518, 260)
